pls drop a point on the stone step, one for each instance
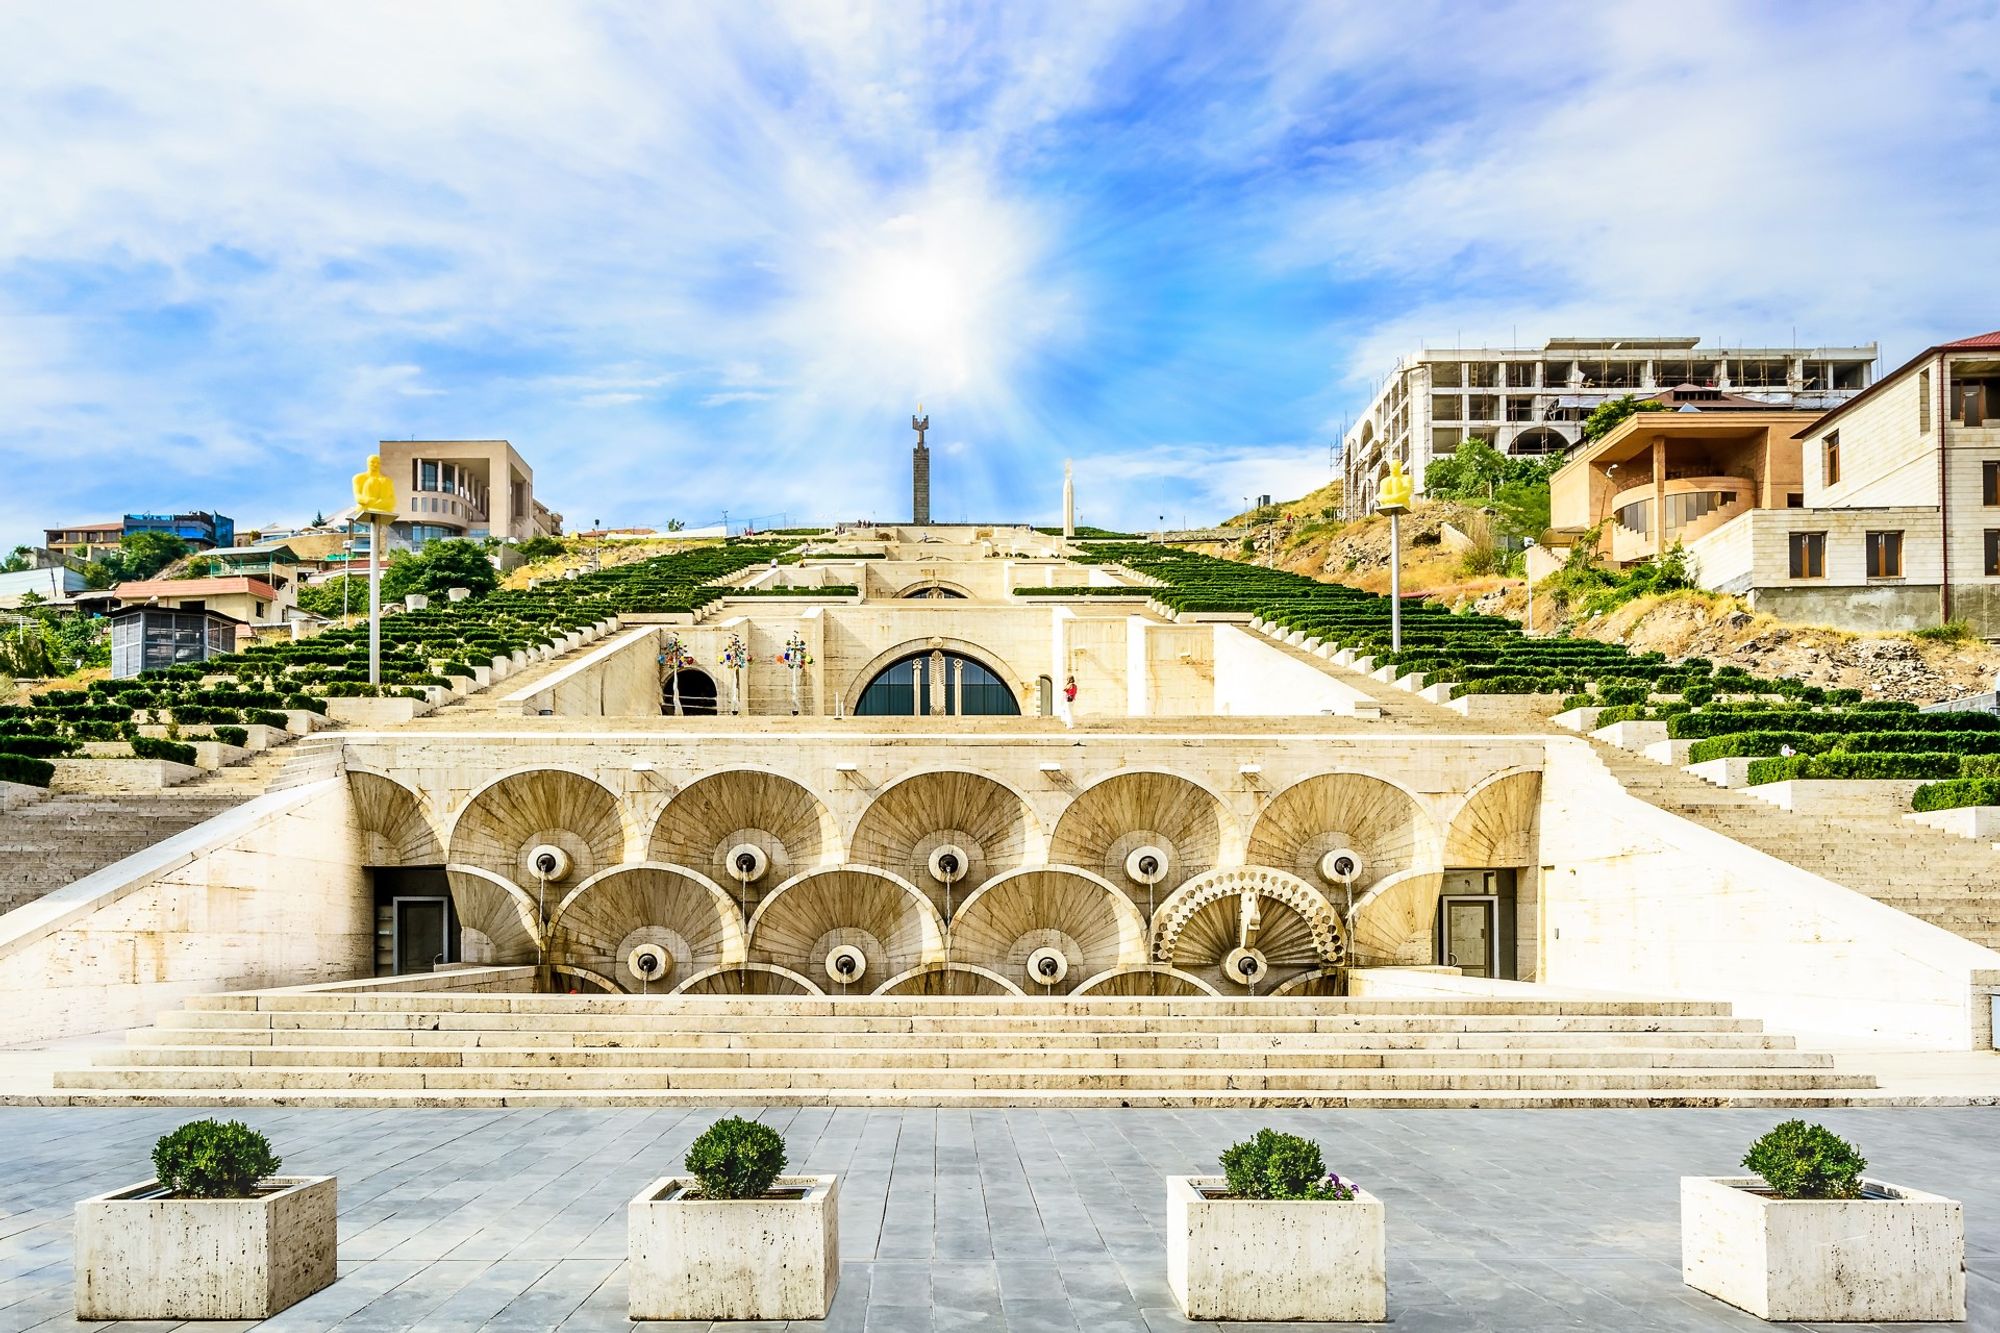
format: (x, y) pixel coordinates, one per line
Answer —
(1303, 1081)
(609, 1024)
(834, 1042)
(664, 1058)
(1483, 1099)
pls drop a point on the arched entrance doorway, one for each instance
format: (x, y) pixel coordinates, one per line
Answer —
(696, 689)
(936, 682)
(934, 591)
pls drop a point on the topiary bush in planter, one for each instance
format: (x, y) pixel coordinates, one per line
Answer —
(217, 1235)
(1272, 1165)
(1802, 1161)
(214, 1159)
(726, 1245)
(736, 1159)
(1809, 1239)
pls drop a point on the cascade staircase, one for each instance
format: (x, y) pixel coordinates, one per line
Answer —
(1949, 881)
(358, 1047)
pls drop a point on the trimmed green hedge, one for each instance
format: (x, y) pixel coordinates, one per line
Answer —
(1754, 744)
(1841, 766)
(1720, 722)
(1955, 793)
(26, 771)
(149, 747)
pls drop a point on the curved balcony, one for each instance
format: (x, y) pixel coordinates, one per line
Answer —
(1695, 507)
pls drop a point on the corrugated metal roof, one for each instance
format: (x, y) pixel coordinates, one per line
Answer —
(1979, 341)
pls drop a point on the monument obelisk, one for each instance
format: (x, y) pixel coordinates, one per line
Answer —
(920, 469)
(1069, 501)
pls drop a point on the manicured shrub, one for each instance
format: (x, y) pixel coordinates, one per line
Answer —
(1280, 1166)
(214, 1159)
(736, 1159)
(1737, 744)
(39, 747)
(148, 747)
(1838, 765)
(27, 771)
(1801, 1161)
(1957, 792)
(232, 736)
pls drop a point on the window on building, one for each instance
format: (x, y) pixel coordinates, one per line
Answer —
(1447, 407)
(1923, 402)
(1989, 482)
(1482, 407)
(1447, 374)
(1993, 553)
(1794, 500)
(1482, 374)
(1808, 550)
(1832, 472)
(1885, 555)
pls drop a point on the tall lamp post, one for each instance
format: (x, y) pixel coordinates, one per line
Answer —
(1393, 498)
(375, 501)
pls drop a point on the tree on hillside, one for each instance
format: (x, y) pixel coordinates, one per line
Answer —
(440, 565)
(1609, 413)
(1522, 508)
(1476, 471)
(140, 555)
(540, 548)
(23, 557)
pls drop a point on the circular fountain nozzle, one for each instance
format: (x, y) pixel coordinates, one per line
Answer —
(846, 964)
(747, 861)
(1245, 966)
(948, 863)
(1148, 865)
(1342, 865)
(649, 962)
(1047, 966)
(549, 862)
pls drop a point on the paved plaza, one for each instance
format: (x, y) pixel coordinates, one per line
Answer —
(1019, 1220)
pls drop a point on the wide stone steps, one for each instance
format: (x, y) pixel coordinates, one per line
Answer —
(932, 1058)
(353, 1046)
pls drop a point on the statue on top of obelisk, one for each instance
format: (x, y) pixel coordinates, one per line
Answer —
(920, 469)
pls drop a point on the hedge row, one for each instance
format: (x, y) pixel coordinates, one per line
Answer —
(29, 772)
(1956, 792)
(1842, 765)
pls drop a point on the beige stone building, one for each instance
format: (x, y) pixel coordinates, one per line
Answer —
(1897, 525)
(463, 488)
(842, 835)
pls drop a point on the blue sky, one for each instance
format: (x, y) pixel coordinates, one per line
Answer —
(699, 257)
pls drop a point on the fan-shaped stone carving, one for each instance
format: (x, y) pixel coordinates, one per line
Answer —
(1213, 922)
(1142, 981)
(748, 979)
(1324, 981)
(805, 921)
(605, 918)
(508, 819)
(913, 818)
(713, 816)
(1088, 921)
(1496, 826)
(949, 979)
(395, 830)
(1396, 922)
(1308, 819)
(1109, 821)
(499, 921)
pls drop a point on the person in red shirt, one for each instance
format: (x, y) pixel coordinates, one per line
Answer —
(1069, 689)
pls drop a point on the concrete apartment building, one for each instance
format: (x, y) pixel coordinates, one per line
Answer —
(200, 529)
(463, 488)
(1533, 400)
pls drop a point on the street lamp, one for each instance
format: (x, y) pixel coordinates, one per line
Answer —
(1393, 498)
(1529, 545)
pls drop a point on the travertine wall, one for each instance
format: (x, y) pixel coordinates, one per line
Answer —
(269, 894)
(1636, 899)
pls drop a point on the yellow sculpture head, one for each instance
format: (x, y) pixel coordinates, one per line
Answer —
(1397, 490)
(374, 493)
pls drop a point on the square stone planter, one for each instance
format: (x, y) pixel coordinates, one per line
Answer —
(1262, 1260)
(1894, 1257)
(141, 1255)
(772, 1258)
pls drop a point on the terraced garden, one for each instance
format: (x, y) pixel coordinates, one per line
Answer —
(221, 698)
(1727, 711)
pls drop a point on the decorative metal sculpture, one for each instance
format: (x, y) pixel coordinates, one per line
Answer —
(675, 658)
(734, 659)
(795, 659)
